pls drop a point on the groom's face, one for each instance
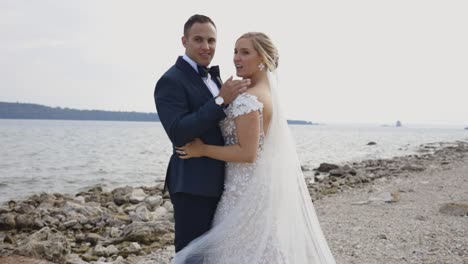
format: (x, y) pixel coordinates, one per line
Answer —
(200, 43)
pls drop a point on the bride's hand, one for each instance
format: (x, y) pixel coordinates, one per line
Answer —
(193, 149)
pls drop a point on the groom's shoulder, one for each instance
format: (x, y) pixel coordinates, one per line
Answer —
(177, 70)
(178, 75)
(172, 77)
(172, 74)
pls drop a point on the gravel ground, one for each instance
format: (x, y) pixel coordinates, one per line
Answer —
(361, 228)
(22, 260)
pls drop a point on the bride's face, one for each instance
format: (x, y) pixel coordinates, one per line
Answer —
(246, 58)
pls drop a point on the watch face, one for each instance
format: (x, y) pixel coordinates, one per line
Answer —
(219, 100)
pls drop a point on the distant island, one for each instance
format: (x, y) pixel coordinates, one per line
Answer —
(397, 124)
(37, 111)
(300, 122)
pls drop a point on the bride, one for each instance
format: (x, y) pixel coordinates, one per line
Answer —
(265, 214)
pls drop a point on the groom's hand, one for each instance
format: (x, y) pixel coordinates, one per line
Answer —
(194, 149)
(232, 88)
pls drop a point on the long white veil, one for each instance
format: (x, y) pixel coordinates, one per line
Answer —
(275, 220)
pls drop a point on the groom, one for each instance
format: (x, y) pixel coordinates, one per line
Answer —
(190, 100)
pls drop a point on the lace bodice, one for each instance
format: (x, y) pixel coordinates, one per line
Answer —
(237, 174)
(242, 105)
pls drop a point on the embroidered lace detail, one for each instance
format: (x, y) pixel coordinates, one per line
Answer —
(244, 104)
(239, 177)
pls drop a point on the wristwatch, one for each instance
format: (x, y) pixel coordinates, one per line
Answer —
(219, 100)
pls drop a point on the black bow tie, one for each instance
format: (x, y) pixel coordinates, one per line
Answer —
(213, 71)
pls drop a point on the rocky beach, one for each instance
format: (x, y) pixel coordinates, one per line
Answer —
(409, 209)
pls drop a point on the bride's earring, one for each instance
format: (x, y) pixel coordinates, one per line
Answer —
(261, 67)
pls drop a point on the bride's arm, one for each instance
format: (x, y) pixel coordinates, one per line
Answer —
(248, 133)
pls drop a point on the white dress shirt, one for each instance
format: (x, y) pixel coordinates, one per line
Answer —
(208, 81)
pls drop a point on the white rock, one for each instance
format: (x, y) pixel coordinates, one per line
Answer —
(153, 201)
(100, 250)
(115, 232)
(137, 196)
(113, 250)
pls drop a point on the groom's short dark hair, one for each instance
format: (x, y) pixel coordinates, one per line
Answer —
(196, 19)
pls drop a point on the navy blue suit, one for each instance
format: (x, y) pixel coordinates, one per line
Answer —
(187, 111)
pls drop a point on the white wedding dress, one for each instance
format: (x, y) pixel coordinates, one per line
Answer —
(265, 215)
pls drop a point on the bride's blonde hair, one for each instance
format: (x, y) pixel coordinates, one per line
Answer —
(265, 48)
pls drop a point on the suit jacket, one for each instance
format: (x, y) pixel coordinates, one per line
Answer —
(187, 110)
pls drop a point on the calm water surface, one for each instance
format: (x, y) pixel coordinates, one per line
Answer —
(69, 156)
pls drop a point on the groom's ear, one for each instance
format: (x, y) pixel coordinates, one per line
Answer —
(184, 41)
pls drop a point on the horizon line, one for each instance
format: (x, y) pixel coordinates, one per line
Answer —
(390, 124)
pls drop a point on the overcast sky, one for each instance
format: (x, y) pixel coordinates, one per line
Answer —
(340, 61)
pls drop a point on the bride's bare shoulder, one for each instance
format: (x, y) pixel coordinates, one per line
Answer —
(263, 96)
(261, 93)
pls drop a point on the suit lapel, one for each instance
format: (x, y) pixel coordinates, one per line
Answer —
(193, 77)
(218, 82)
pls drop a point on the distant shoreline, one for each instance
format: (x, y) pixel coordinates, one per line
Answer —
(37, 111)
(41, 112)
